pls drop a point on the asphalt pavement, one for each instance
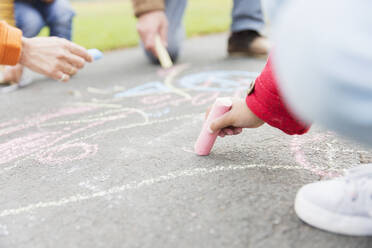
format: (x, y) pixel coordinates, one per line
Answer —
(107, 160)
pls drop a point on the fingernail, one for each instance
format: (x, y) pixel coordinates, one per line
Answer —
(209, 130)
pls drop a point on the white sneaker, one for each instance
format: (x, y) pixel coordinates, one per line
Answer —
(342, 205)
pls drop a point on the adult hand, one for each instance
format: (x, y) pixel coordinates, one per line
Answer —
(54, 57)
(233, 122)
(151, 24)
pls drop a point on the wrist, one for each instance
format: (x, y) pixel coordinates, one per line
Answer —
(24, 49)
(255, 121)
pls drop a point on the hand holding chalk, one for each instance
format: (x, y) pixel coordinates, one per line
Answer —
(27, 80)
(53, 57)
(205, 142)
(227, 117)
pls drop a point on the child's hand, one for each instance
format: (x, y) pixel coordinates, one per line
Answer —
(233, 122)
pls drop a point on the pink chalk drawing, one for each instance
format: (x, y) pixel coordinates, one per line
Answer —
(329, 151)
(301, 159)
(52, 156)
(200, 99)
(23, 146)
(203, 99)
(34, 121)
(44, 140)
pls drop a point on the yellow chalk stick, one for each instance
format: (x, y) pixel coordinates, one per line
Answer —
(163, 54)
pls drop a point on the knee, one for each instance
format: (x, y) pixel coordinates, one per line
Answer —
(61, 13)
(30, 29)
(63, 17)
(29, 22)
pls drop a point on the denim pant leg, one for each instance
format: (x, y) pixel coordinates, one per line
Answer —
(325, 72)
(273, 8)
(28, 19)
(174, 9)
(247, 14)
(58, 16)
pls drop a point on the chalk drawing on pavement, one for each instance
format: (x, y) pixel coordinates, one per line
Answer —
(72, 132)
(327, 147)
(171, 176)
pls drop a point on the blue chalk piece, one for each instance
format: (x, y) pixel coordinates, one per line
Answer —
(96, 54)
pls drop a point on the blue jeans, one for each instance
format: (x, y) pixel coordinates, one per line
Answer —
(32, 17)
(324, 63)
(246, 14)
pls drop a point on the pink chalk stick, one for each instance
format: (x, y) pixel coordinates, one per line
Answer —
(205, 142)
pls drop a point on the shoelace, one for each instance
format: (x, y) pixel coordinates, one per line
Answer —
(359, 172)
(359, 182)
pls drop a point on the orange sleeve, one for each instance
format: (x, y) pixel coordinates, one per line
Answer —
(10, 44)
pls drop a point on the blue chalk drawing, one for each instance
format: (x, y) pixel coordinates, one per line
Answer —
(218, 81)
(159, 113)
(145, 89)
(221, 81)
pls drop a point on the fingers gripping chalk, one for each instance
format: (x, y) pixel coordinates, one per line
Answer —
(163, 55)
(95, 53)
(205, 142)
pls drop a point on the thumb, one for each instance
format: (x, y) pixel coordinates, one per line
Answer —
(220, 123)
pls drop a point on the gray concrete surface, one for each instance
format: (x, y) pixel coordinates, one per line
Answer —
(82, 167)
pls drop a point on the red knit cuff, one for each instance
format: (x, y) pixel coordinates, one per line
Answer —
(266, 103)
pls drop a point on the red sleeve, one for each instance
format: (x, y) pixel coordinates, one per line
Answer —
(266, 102)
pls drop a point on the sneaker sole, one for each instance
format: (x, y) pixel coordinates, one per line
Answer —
(330, 221)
